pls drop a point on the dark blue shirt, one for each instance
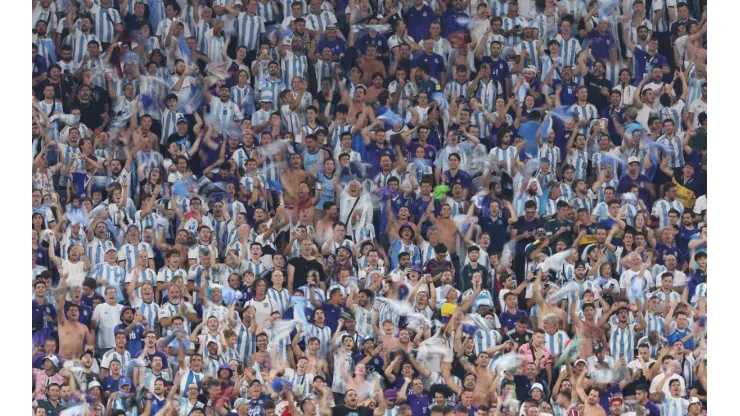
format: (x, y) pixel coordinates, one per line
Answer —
(462, 177)
(39, 66)
(419, 404)
(418, 21)
(430, 153)
(331, 313)
(664, 250)
(379, 41)
(568, 93)
(509, 320)
(450, 24)
(39, 314)
(419, 206)
(375, 365)
(496, 228)
(499, 69)
(429, 86)
(435, 62)
(134, 340)
(602, 43)
(338, 46)
(606, 113)
(373, 153)
(257, 406)
(523, 225)
(625, 183)
(110, 384)
(42, 256)
(645, 64)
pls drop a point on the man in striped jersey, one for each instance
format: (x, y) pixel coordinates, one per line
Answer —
(662, 207)
(623, 335)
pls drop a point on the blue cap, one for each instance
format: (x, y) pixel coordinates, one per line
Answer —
(123, 381)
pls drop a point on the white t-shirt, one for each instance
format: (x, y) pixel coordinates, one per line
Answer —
(697, 107)
(107, 317)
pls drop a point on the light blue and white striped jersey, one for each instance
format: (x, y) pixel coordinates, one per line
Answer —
(226, 112)
(266, 11)
(242, 97)
(531, 47)
(674, 406)
(169, 124)
(170, 310)
(55, 107)
(508, 24)
(568, 50)
(294, 66)
(270, 86)
(664, 24)
(622, 342)
(324, 336)
(343, 363)
(280, 298)
(579, 160)
(485, 338)
(575, 8)
(320, 22)
(246, 342)
(167, 275)
(127, 253)
(601, 211)
(115, 275)
(301, 382)
(114, 355)
(551, 153)
(97, 248)
(661, 208)
(673, 113)
(507, 155)
(146, 276)
(695, 85)
(587, 112)
(654, 323)
(149, 310)
(611, 73)
(249, 29)
(189, 377)
(556, 342)
(259, 269)
(674, 149)
(487, 93)
(80, 44)
(491, 37)
(364, 320)
(104, 20)
(521, 200)
(499, 7)
(385, 313)
(600, 194)
(397, 247)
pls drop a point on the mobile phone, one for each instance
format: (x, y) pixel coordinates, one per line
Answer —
(603, 122)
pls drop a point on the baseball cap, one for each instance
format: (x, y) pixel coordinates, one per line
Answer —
(633, 159)
(541, 231)
(391, 394)
(616, 400)
(331, 27)
(182, 120)
(54, 360)
(93, 384)
(536, 386)
(693, 400)
(580, 360)
(580, 265)
(126, 308)
(240, 402)
(530, 68)
(124, 381)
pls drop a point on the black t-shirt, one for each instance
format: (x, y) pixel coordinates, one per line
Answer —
(90, 112)
(302, 267)
(343, 410)
(595, 86)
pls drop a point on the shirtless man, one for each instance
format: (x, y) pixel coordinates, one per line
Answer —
(292, 177)
(316, 364)
(484, 378)
(358, 110)
(591, 406)
(448, 231)
(71, 332)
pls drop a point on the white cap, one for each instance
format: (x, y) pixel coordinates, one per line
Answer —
(530, 68)
(633, 159)
(693, 400)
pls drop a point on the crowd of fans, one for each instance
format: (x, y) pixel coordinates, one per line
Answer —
(356, 207)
